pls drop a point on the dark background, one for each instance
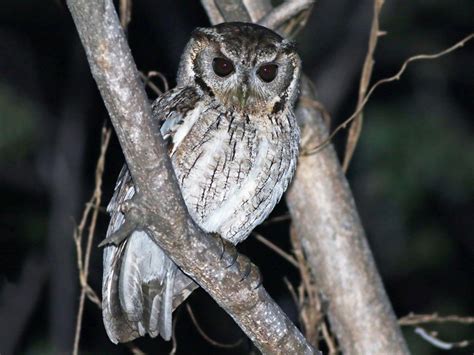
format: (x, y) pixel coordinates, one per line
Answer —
(412, 175)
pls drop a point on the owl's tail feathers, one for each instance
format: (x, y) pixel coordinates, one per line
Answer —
(141, 288)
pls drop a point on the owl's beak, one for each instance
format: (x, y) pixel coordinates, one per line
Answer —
(243, 95)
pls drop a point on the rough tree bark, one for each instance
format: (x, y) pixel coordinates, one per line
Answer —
(327, 222)
(158, 207)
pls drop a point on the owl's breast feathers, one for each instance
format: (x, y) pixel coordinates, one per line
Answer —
(232, 167)
(232, 170)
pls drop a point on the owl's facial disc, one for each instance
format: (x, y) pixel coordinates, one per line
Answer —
(244, 80)
(246, 67)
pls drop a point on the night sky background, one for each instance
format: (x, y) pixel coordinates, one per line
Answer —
(412, 174)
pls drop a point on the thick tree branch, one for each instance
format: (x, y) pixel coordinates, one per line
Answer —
(289, 17)
(332, 236)
(326, 220)
(158, 207)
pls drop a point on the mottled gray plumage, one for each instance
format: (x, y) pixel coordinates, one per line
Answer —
(233, 142)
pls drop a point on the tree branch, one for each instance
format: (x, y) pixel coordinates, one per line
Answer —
(199, 255)
(327, 222)
(285, 18)
(417, 319)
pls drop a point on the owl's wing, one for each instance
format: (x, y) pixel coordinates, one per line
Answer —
(141, 286)
(178, 107)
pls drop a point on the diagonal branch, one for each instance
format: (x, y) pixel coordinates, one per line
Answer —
(326, 220)
(289, 17)
(202, 257)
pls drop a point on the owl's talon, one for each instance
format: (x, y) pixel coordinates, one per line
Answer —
(227, 249)
(247, 268)
(234, 256)
(256, 277)
(222, 243)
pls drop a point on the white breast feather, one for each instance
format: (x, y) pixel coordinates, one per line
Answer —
(186, 126)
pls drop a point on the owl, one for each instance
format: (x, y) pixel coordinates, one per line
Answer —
(233, 142)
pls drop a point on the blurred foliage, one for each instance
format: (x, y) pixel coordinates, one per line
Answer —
(411, 152)
(18, 119)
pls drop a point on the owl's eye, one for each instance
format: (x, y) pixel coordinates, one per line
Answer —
(267, 72)
(222, 66)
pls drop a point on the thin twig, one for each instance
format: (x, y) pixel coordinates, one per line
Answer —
(416, 319)
(125, 13)
(134, 349)
(206, 337)
(83, 261)
(356, 125)
(441, 344)
(147, 82)
(283, 218)
(311, 314)
(293, 294)
(329, 339)
(174, 340)
(276, 249)
(390, 79)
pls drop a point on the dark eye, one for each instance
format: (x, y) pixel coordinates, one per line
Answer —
(267, 72)
(222, 66)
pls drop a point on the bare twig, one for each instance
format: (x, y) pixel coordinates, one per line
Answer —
(390, 79)
(276, 249)
(416, 319)
(293, 294)
(310, 305)
(283, 218)
(174, 339)
(148, 82)
(329, 339)
(356, 125)
(125, 13)
(135, 350)
(153, 74)
(435, 341)
(83, 258)
(207, 337)
(432, 337)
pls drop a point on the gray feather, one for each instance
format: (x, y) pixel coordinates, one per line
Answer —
(139, 293)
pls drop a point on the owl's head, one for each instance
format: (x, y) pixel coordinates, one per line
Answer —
(245, 66)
